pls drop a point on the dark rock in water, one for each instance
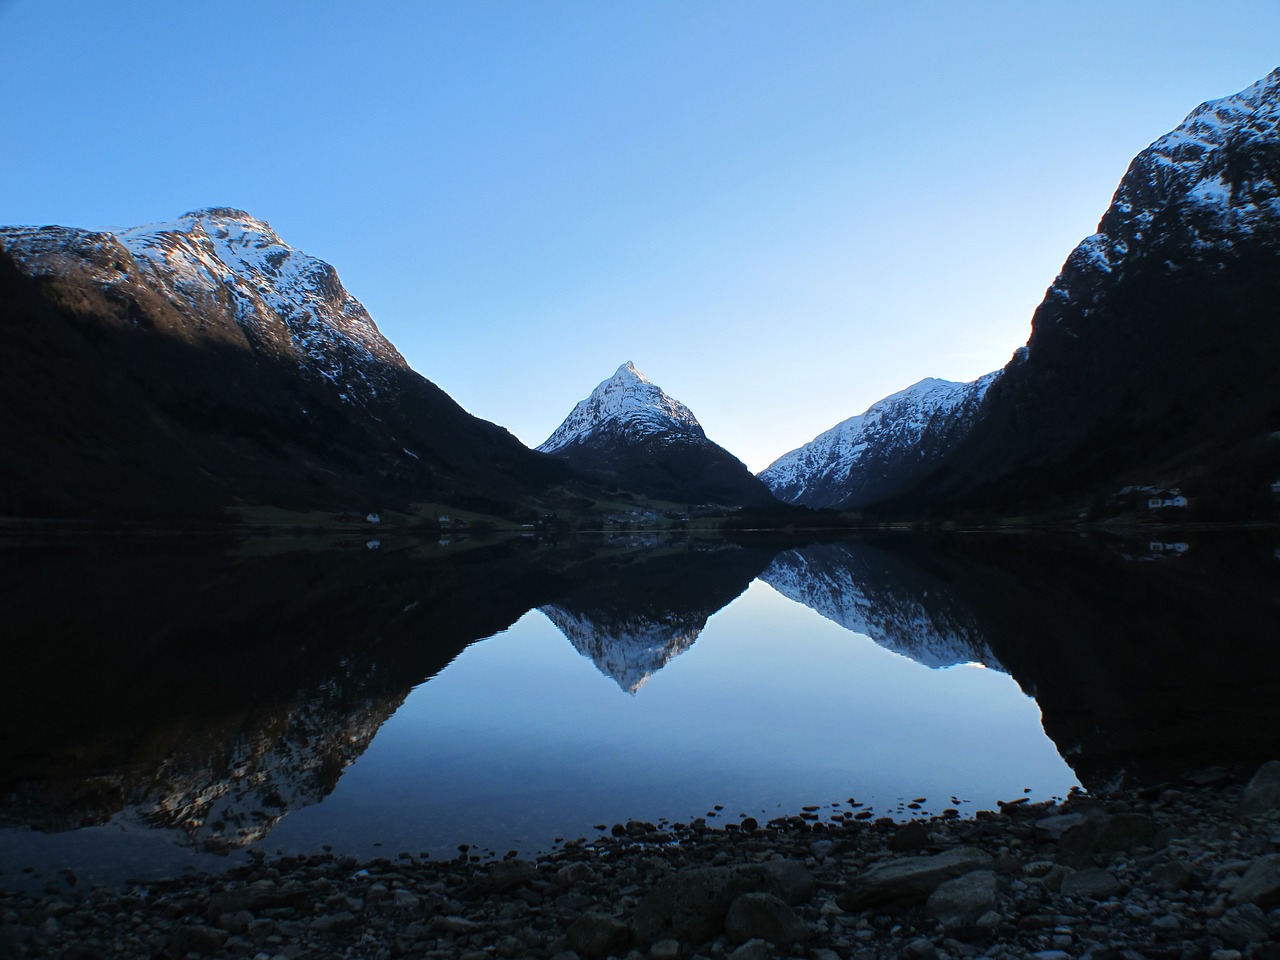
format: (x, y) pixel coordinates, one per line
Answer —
(762, 916)
(964, 899)
(1105, 835)
(909, 880)
(598, 935)
(1260, 883)
(1262, 793)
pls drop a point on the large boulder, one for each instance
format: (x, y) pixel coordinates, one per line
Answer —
(762, 916)
(1103, 836)
(598, 935)
(691, 905)
(1260, 883)
(909, 880)
(964, 899)
(1262, 794)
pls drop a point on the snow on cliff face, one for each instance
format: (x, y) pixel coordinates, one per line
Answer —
(850, 586)
(627, 406)
(239, 282)
(833, 467)
(1211, 179)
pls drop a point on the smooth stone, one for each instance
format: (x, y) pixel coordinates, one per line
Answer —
(1093, 884)
(762, 916)
(1112, 833)
(1262, 792)
(1058, 824)
(1241, 926)
(596, 935)
(918, 949)
(508, 874)
(1260, 884)
(963, 899)
(690, 905)
(752, 950)
(195, 938)
(909, 837)
(665, 950)
(909, 880)
(790, 880)
(1171, 875)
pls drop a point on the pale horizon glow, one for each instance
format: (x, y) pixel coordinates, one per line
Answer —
(781, 212)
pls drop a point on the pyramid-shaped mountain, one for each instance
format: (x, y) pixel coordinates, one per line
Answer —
(629, 434)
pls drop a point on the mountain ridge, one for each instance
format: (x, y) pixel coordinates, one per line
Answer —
(147, 376)
(879, 450)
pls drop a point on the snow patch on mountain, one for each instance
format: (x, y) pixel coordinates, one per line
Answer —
(630, 406)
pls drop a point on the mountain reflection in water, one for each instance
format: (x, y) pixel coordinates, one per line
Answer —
(213, 691)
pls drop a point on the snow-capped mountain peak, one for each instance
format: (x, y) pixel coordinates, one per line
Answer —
(239, 282)
(627, 406)
(872, 454)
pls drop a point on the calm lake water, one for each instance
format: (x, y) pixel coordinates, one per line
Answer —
(173, 706)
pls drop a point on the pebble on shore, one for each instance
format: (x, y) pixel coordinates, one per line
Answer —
(1174, 872)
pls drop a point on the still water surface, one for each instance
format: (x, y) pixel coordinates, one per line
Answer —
(402, 699)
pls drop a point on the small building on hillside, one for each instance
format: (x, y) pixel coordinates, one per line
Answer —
(1159, 499)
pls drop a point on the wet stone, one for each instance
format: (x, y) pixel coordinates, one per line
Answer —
(762, 916)
(595, 935)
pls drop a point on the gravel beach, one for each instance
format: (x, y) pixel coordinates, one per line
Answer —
(1179, 870)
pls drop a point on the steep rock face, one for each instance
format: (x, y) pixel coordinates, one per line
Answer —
(881, 451)
(1152, 356)
(629, 433)
(182, 367)
(874, 593)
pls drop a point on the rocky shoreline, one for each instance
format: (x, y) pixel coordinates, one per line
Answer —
(1185, 871)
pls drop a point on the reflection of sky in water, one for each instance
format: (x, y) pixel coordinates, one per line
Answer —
(522, 739)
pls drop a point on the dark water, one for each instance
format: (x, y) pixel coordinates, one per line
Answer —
(173, 705)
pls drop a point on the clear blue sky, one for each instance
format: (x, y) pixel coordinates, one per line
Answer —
(780, 211)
